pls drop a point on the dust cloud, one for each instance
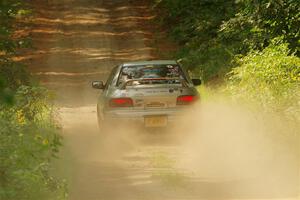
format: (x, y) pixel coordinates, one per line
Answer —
(216, 151)
(242, 152)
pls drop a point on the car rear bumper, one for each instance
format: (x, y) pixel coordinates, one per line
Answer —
(138, 116)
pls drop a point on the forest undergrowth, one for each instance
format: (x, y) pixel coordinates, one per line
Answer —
(29, 131)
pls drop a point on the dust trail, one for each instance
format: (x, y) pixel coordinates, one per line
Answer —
(218, 151)
(242, 153)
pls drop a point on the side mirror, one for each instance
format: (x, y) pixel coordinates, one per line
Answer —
(98, 85)
(196, 82)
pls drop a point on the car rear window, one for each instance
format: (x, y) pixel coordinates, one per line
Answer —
(162, 74)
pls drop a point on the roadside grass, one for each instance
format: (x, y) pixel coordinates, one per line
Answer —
(164, 170)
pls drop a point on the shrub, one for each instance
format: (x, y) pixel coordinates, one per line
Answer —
(269, 78)
(28, 141)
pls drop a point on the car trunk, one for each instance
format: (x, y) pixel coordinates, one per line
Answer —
(154, 97)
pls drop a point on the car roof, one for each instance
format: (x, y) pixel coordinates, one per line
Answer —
(150, 62)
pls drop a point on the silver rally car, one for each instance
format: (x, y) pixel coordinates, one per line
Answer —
(151, 93)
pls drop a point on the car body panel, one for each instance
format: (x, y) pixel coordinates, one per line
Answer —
(151, 100)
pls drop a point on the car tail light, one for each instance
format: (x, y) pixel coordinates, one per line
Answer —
(121, 102)
(186, 99)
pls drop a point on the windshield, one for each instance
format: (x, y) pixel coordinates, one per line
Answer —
(151, 74)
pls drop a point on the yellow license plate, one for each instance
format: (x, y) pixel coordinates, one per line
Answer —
(156, 121)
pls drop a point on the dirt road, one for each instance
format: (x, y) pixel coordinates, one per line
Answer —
(78, 41)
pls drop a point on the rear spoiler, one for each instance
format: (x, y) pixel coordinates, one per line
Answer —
(125, 84)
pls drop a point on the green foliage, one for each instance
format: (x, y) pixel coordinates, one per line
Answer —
(10, 10)
(212, 32)
(256, 23)
(195, 25)
(269, 78)
(13, 74)
(29, 139)
(29, 135)
(6, 95)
